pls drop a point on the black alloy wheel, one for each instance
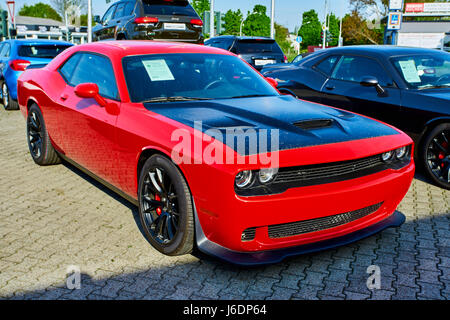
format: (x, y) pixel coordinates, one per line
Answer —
(165, 207)
(39, 144)
(436, 158)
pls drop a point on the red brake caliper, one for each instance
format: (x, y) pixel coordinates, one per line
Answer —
(441, 154)
(158, 210)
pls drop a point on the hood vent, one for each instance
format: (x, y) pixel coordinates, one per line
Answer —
(314, 124)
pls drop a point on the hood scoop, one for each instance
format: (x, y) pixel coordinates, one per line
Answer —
(314, 124)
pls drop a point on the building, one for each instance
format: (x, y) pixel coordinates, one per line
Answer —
(40, 28)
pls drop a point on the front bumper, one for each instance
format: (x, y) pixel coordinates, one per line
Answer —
(275, 256)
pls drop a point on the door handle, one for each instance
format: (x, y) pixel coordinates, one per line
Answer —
(64, 97)
(330, 87)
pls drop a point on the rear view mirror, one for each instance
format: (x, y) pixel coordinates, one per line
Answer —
(370, 81)
(97, 19)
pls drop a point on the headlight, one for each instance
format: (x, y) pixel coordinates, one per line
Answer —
(386, 156)
(266, 175)
(243, 179)
(401, 152)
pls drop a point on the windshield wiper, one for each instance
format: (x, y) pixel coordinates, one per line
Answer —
(173, 99)
(435, 87)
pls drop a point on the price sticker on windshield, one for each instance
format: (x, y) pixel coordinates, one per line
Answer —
(409, 71)
(158, 70)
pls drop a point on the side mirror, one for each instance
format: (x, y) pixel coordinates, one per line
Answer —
(273, 82)
(372, 82)
(91, 91)
(97, 19)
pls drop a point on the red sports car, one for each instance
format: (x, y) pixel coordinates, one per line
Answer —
(214, 156)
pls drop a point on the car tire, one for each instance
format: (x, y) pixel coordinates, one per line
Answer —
(8, 103)
(435, 155)
(39, 143)
(165, 207)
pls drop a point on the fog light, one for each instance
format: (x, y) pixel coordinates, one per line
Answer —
(267, 175)
(386, 156)
(400, 153)
(243, 179)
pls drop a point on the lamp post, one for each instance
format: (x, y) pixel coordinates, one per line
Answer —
(211, 19)
(272, 21)
(89, 20)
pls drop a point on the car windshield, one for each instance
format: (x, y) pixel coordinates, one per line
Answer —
(428, 71)
(189, 76)
(164, 7)
(257, 46)
(47, 51)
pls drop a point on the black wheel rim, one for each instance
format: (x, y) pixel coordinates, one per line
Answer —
(160, 206)
(34, 134)
(438, 156)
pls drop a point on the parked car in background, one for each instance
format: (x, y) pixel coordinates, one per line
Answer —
(405, 87)
(257, 51)
(16, 56)
(292, 64)
(164, 20)
(114, 108)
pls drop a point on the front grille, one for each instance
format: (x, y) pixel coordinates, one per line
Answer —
(328, 171)
(248, 234)
(302, 227)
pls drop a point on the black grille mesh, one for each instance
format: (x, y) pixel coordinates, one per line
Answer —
(328, 170)
(248, 234)
(301, 227)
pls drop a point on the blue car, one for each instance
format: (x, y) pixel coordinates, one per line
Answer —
(16, 56)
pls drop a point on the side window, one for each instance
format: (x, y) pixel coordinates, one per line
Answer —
(1, 47)
(353, 68)
(96, 69)
(109, 14)
(68, 68)
(119, 10)
(6, 50)
(326, 66)
(129, 7)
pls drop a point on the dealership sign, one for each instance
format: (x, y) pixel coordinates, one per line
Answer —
(395, 21)
(395, 4)
(427, 7)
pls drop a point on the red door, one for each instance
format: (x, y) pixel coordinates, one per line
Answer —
(87, 129)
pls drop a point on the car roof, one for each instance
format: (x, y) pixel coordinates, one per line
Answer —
(242, 38)
(385, 51)
(123, 48)
(35, 41)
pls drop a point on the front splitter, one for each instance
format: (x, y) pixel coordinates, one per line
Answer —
(275, 256)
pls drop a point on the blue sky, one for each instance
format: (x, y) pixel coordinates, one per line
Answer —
(288, 12)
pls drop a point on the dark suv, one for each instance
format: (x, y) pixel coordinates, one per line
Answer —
(170, 20)
(256, 51)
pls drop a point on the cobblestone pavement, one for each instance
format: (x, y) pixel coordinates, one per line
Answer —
(54, 217)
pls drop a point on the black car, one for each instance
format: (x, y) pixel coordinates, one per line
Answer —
(257, 51)
(408, 88)
(174, 20)
(295, 62)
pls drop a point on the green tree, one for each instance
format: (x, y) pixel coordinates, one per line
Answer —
(40, 10)
(232, 22)
(311, 29)
(200, 6)
(257, 23)
(334, 29)
(281, 37)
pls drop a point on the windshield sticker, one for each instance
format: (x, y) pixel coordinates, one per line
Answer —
(158, 70)
(409, 71)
